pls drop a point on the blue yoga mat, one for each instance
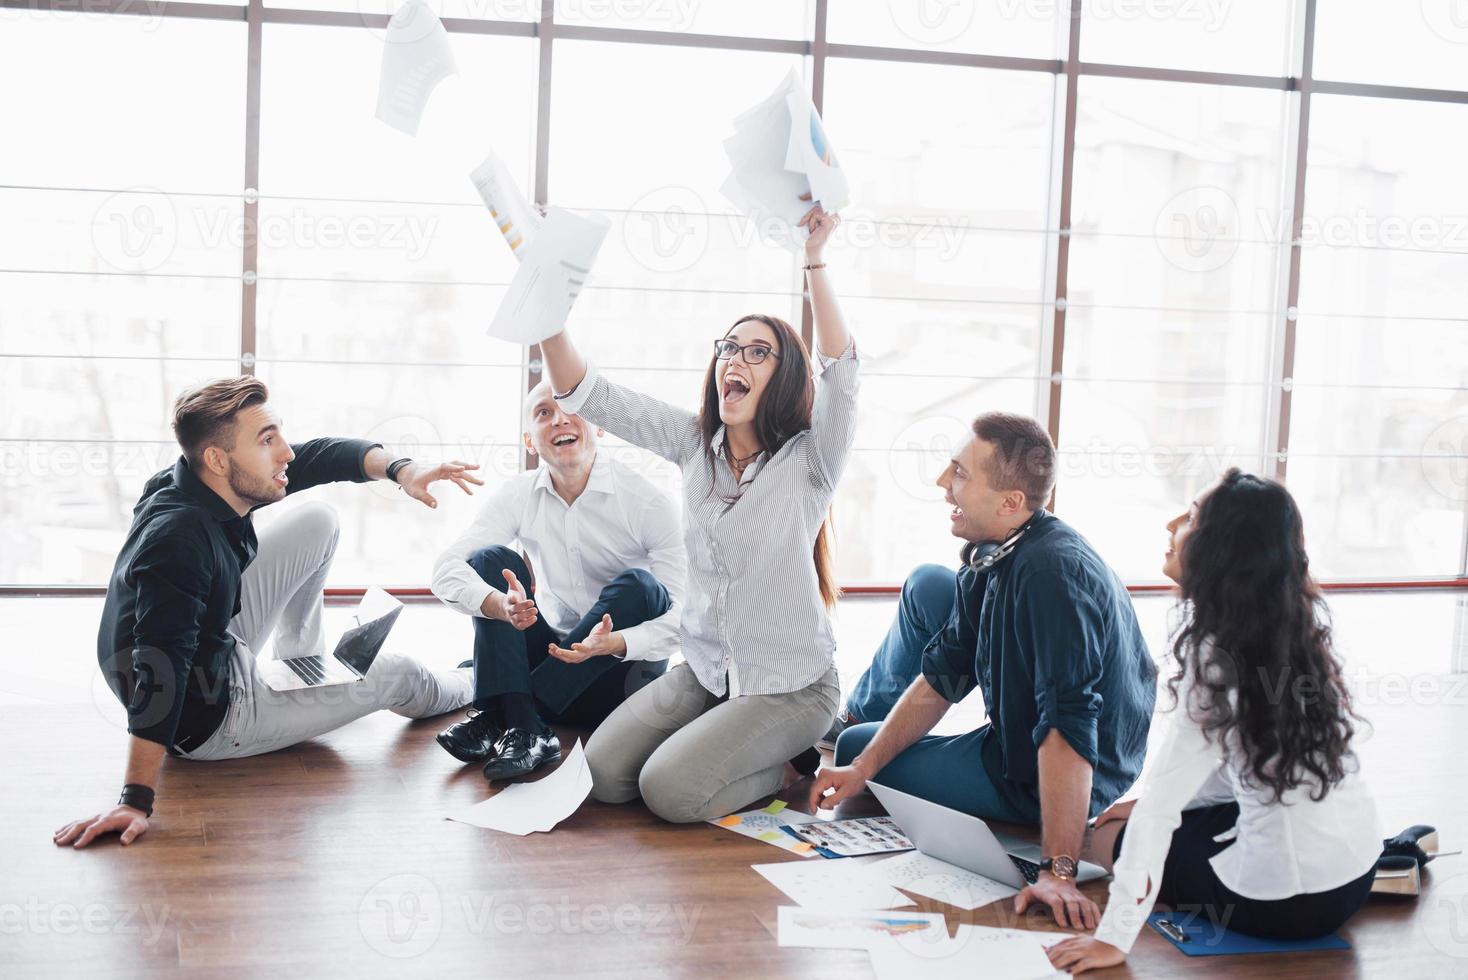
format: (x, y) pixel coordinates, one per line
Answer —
(1207, 939)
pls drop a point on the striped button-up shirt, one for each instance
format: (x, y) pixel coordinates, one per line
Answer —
(753, 618)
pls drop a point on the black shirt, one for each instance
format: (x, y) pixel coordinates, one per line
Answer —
(164, 643)
(1050, 636)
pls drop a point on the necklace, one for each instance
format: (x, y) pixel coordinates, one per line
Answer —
(738, 463)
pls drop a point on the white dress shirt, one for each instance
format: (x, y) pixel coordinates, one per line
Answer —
(621, 521)
(1281, 848)
(753, 622)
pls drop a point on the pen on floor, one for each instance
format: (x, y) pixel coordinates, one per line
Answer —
(1172, 930)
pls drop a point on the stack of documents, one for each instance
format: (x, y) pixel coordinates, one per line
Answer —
(781, 163)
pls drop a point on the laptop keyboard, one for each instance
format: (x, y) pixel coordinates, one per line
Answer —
(312, 670)
(1028, 869)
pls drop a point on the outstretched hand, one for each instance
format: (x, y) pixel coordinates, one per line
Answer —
(819, 223)
(600, 642)
(415, 478)
(518, 610)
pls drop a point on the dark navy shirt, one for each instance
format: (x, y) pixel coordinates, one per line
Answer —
(1050, 637)
(164, 641)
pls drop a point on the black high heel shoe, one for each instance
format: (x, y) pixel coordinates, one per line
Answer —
(1418, 842)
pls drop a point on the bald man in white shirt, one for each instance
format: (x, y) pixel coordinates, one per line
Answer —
(600, 618)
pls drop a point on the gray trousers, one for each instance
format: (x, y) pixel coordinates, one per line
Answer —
(280, 593)
(692, 756)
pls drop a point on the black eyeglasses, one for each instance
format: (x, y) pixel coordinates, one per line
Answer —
(753, 354)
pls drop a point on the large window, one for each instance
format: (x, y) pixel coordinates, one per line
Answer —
(1242, 245)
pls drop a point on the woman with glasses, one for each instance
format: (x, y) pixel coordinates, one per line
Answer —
(760, 463)
(1252, 815)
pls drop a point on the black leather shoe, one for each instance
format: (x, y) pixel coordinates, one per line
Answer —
(471, 740)
(520, 752)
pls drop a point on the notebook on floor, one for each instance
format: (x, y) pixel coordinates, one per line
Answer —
(1204, 938)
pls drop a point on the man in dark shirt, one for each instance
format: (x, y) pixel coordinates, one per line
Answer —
(1046, 631)
(195, 594)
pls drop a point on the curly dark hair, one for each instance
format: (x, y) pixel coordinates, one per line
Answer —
(1256, 639)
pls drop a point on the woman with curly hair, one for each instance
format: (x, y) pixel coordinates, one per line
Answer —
(1253, 812)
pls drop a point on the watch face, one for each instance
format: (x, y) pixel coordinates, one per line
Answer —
(1061, 867)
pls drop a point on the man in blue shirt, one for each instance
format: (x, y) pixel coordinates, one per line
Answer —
(1046, 630)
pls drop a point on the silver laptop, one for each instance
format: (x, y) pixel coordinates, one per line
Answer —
(966, 841)
(352, 656)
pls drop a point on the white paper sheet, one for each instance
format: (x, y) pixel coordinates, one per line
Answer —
(552, 271)
(811, 928)
(927, 876)
(764, 825)
(843, 885)
(526, 808)
(517, 220)
(972, 952)
(416, 56)
(781, 164)
(810, 153)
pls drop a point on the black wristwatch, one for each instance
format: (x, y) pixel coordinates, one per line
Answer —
(1062, 866)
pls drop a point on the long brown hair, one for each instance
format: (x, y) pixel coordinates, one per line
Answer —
(784, 411)
(1256, 639)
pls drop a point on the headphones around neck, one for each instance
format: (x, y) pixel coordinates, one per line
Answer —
(985, 556)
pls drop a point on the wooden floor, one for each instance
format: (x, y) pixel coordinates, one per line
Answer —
(333, 859)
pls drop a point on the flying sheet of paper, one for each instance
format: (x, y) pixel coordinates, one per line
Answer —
(927, 876)
(416, 56)
(810, 153)
(843, 886)
(781, 164)
(553, 268)
(764, 825)
(811, 928)
(527, 808)
(516, 219)
(1003, 954)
